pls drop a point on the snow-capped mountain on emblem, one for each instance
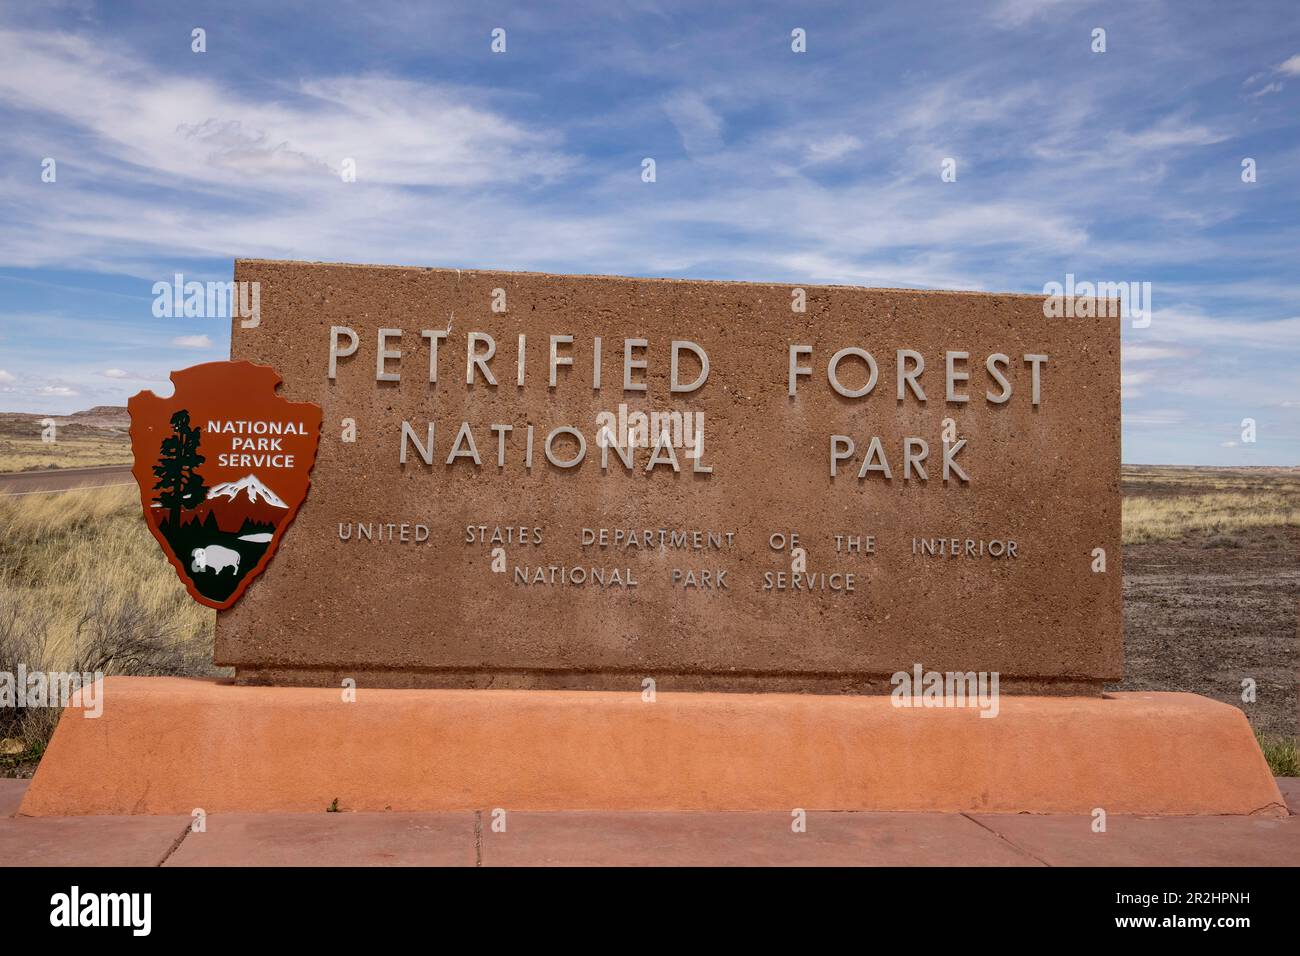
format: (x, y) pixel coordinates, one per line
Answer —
(255, 490)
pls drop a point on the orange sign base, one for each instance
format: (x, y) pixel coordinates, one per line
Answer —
(173, 745)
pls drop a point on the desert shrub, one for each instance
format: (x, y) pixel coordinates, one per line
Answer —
(84, 587)
(1222, 541)
(1282, 754)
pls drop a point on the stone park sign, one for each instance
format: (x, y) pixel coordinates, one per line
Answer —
(570, 485)
(549, 481)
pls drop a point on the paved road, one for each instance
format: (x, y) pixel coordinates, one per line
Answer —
(62, 479)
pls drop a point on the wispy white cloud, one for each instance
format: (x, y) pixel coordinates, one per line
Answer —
(1017, 13)
(193, 341)
(832, 148)
(1168, 133)
(1157, 418)
(1188, 325)
(1137, 352)
(1266, 90)
(397, 131)
(698, 124)
(1130, 383)
(1288, 67)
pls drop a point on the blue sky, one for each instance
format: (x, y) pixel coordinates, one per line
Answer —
(821, 167)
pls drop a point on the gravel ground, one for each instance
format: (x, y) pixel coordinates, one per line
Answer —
(1203, 613)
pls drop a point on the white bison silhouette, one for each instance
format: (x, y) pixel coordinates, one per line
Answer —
(215, 558)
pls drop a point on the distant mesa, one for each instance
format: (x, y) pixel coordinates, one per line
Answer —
(110, 417)
(108, 422)
(116, 412)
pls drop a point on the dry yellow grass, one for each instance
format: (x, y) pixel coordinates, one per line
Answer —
(23, 454)
(83, 586)
(1162, 504)
(1219, 513)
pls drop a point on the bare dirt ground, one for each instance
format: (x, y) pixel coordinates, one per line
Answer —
(1214, 604)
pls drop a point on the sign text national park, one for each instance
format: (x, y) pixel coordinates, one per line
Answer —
(619, 434)
(534, 480)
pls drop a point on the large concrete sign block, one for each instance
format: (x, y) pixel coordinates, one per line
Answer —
(584, 482)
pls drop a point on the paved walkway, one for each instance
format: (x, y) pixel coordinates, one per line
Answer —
(629, 839)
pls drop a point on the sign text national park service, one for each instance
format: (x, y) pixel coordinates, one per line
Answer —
(552, 481)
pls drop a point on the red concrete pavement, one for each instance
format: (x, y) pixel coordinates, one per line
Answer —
(330, 839)
(488, 838)
(11, 794)
(82, 841)
(1290, 787)
(1152, 841)
(744, 839)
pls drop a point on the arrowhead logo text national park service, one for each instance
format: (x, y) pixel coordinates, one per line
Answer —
(223, 466)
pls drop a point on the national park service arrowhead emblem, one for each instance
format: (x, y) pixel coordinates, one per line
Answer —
(223, 466)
